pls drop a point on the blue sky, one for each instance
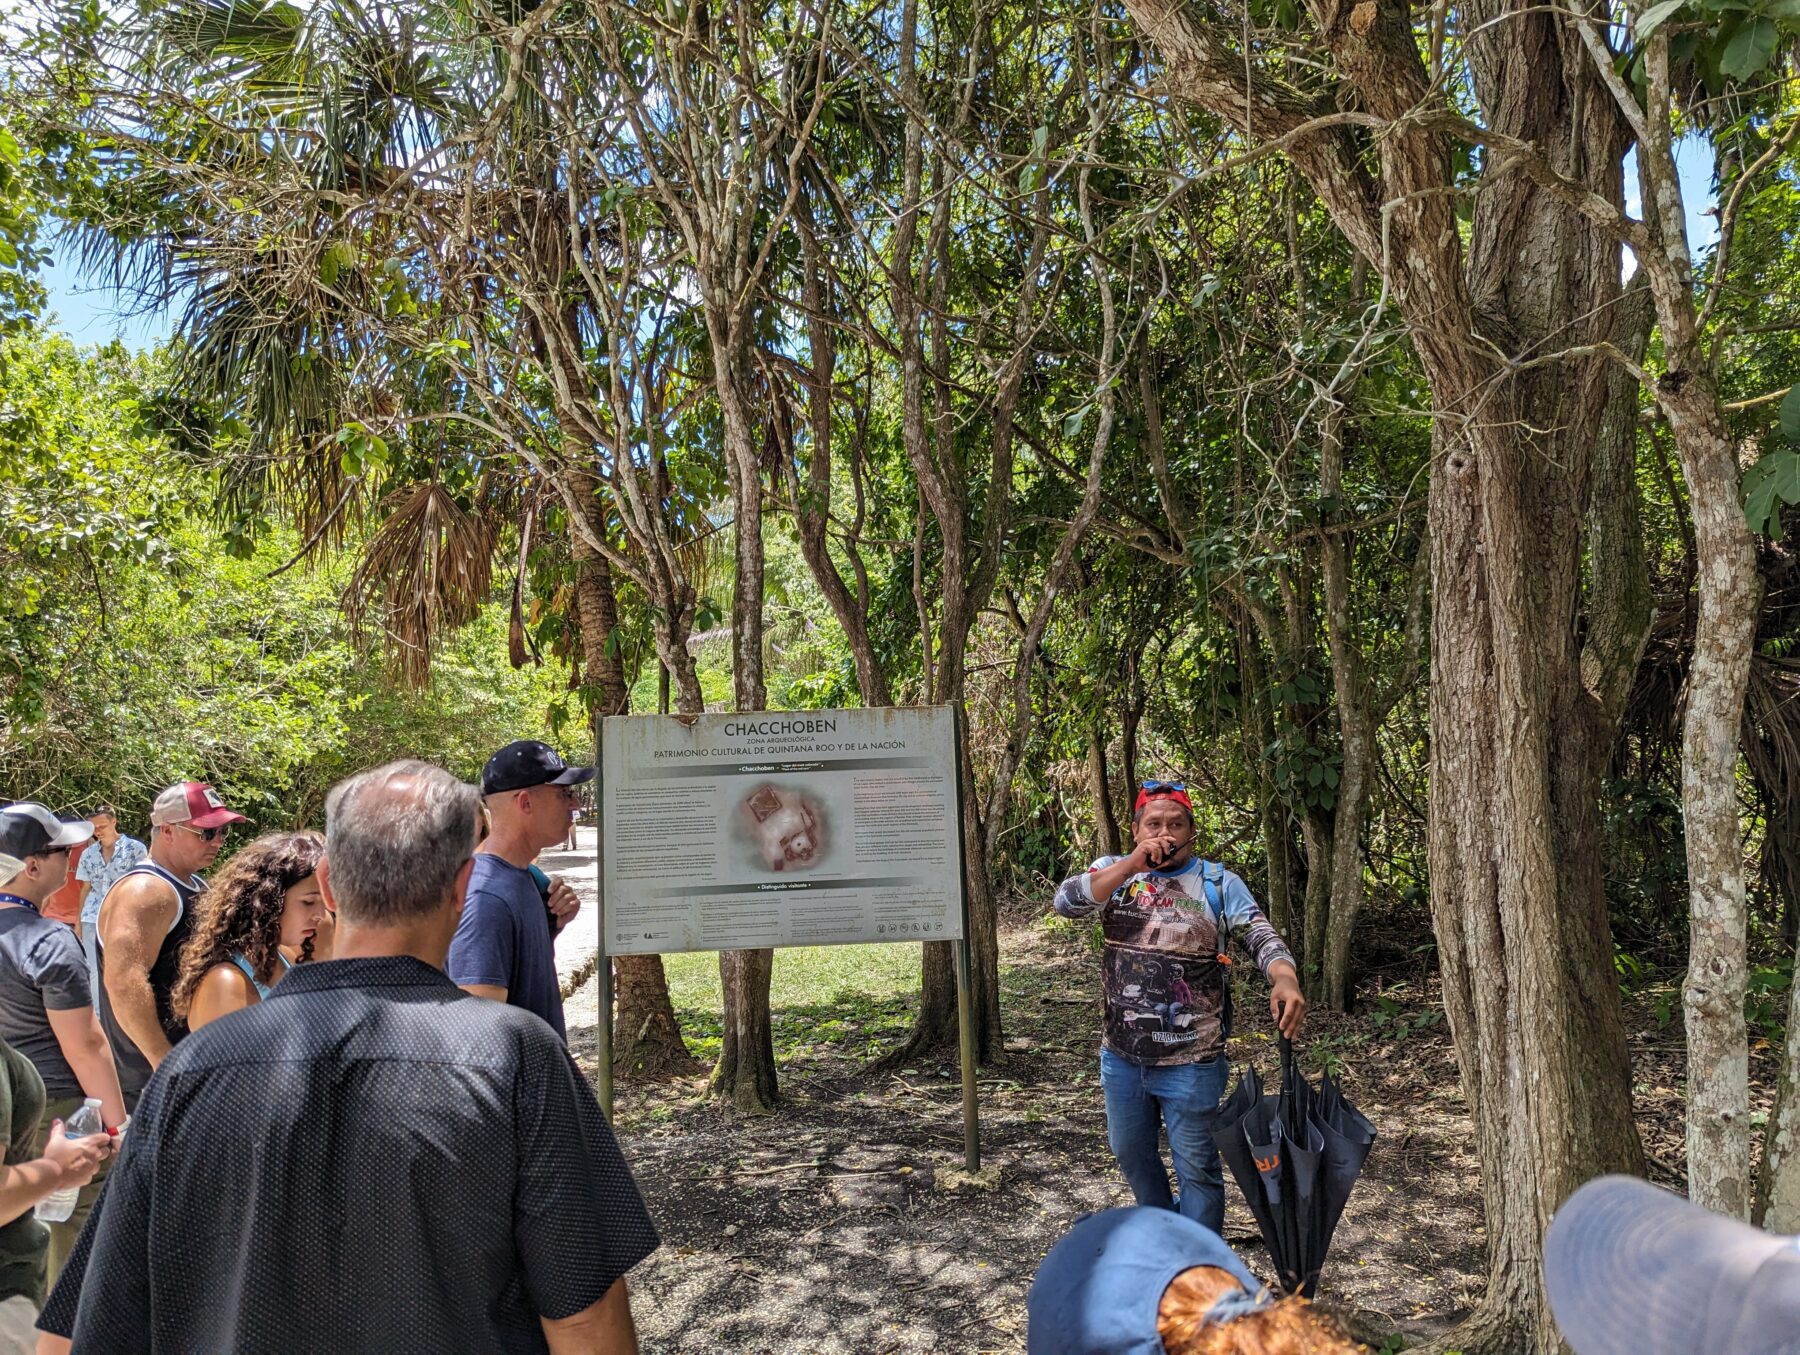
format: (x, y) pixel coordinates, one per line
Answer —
(87, 310)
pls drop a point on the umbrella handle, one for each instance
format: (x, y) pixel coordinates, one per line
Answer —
(1287, 1064)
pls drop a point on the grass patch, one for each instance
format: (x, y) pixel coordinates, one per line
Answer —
(855, 999)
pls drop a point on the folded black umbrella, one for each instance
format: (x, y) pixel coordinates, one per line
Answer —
(1295, 1153)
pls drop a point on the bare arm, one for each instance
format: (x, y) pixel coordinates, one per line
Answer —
(221, 990)
(66, 1162)
(81, 902)
(134, 920)
(77, 1031)
(493, 992)
(603, 1329)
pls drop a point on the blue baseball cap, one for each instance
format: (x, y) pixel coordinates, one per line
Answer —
(1099, 1288)
(1635, 1270)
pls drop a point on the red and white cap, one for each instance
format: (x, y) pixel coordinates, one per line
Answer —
(193, 803)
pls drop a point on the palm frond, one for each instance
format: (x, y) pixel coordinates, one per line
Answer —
(426, 571)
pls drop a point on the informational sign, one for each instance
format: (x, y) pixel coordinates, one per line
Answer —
(780, 828)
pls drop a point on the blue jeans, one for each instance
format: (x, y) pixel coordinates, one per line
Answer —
(1185, 1099)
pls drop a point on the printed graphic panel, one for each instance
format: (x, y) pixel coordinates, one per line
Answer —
(780, 828)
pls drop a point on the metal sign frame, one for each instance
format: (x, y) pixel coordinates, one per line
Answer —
(965, 1021)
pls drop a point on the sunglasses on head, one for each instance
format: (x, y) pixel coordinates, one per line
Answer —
(1162, 787)
(206, 834)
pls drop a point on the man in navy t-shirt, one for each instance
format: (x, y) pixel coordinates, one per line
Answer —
(505, 944)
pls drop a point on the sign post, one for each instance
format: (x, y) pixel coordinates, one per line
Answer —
(603, 961)
(965, 984)
(783, 828)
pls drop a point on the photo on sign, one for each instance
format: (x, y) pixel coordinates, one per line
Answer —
(781, 829)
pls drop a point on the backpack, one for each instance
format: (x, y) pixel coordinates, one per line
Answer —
(1212, 883)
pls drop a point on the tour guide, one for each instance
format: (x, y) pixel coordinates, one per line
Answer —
(1166, 916)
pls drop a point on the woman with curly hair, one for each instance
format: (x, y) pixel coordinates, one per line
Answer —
(1143, 1280)
(255, 923)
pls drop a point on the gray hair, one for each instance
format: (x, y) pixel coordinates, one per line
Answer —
(395, 838)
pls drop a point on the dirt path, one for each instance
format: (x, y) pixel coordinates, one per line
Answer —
(823, 1228)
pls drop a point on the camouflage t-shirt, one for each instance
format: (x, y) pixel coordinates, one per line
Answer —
(1163, 970)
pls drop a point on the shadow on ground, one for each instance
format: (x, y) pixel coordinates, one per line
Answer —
(823, 1228)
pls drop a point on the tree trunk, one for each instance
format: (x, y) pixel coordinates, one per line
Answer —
(745, 1075)
(1778, 1188)
(1259, 733)
(1718, 1042)
(1129, 719)
(812, 504)
(1354, 785)
(1106, 825)
(1516, 894)
(935, 1025)
(968, 568)
(1729, 590)
(1517, 902)
(1315, 839)
(1621, 605)
(1357, 727)
(647, 1039)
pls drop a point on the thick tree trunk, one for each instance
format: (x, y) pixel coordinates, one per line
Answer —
(1517, 898)
(647, 1039)
(745, 1075)
(1517, 902)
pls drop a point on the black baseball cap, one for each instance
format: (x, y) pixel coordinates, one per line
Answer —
(1635, 1270)
(27, 829)
(527, 763)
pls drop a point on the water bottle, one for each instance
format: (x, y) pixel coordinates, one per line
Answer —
(58, 1205)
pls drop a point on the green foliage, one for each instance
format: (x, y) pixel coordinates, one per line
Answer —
(1399, 1020)
(1772, 481)
(142, 644)
(1728, 41)
(1766, 998)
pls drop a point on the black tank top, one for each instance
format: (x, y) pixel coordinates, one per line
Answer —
(134, 1068)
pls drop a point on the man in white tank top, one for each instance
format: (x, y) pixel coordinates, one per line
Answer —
(145, 920)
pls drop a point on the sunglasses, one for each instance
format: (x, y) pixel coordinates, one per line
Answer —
(206, 834)
(1162, 787)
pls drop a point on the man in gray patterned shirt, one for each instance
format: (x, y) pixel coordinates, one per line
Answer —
(1167, 917)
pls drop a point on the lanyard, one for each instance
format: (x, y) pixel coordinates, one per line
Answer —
(14, 898)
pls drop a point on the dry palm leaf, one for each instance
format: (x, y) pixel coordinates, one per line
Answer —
(425, 571)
